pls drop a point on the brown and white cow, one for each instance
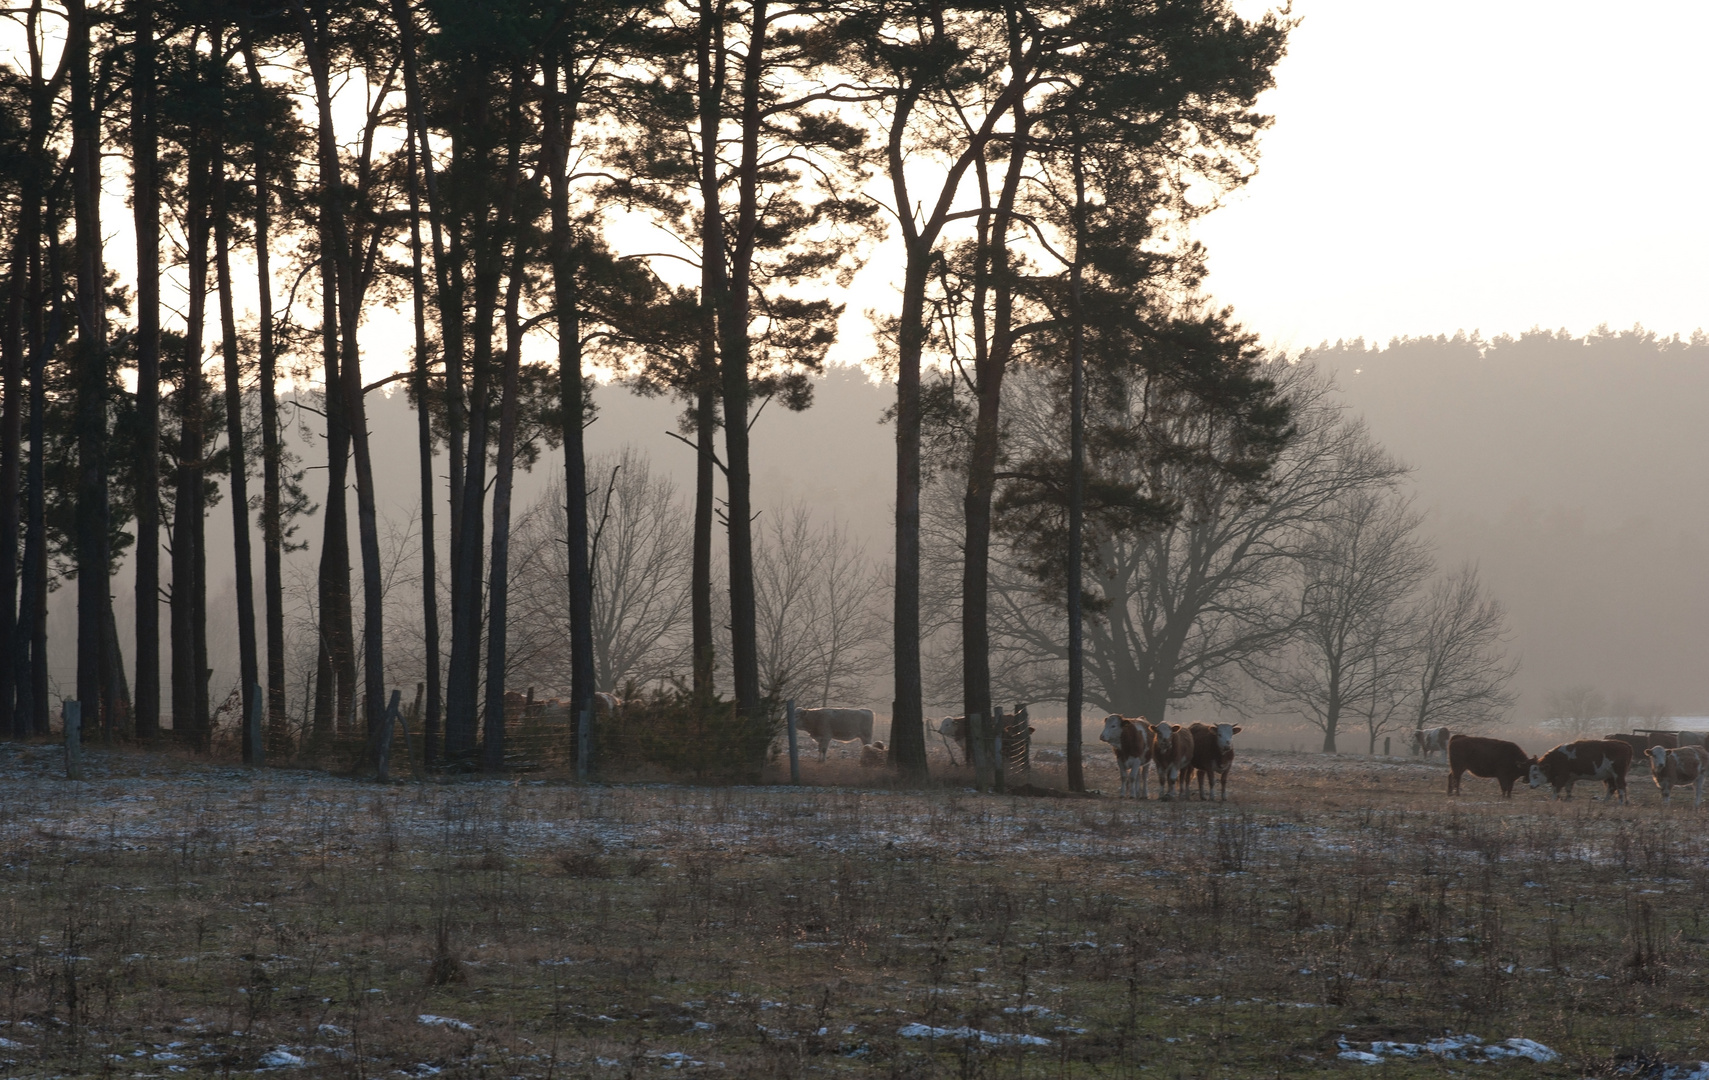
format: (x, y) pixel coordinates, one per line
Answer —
(835, 725)
(1131, 740)
(1213, 755)
(1431, 740)
(1492, 759)
(1587, 759)
(1683, 765)
(1172, 752)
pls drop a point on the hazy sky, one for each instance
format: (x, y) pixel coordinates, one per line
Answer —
(1492, 164)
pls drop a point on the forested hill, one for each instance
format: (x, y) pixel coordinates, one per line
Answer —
(1574, 469)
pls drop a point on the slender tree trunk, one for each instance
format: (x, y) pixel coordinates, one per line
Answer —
(145, 204)
(448, 278)
(189, 683)
(424, 448)
(1076, 481)
(993, 346)
(272, 508)
(710, 77)
(29, 660)
(907, 721)
(336, 664)
(11, 452)
(498, 586)
(735, 356)
(249, 668)
(92, 510)
(560, 118)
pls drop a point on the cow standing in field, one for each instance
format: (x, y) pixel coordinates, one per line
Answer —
(1431, 740)
(1492, 759)
(1683, 765)
(1213, 755)
(953, 731)
(1172, 751)
(835, 725)
(1587, 759)
(1131, 740)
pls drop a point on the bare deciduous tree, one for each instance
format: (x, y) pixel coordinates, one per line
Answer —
(821, 630)
(1577, 711)
(1356, 573)
(1460, 670)
(639, 532)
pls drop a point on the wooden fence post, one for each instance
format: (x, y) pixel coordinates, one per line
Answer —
(583, 724)
(73, 713)
(387, 721)
(794, 748)
(998, 783)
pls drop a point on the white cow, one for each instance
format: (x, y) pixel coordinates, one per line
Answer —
(835, 725)
(1686, 765)
(1431, 740)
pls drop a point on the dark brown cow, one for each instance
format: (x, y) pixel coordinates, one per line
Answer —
(1587, 759)
(1492, 759)
(1213, 755)
(1172, 751)
(1131, 740)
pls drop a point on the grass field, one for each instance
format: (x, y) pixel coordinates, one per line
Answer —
(174, 917)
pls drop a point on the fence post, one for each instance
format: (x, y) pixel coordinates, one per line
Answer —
(998, 781)
(73, 713)
(257, 749)
(794, 748)
(583, 724)
(977, 744)
(387, 720)
(1385, 746)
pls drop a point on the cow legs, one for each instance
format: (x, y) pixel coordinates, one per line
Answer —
(1144, 780)
(1454, 782)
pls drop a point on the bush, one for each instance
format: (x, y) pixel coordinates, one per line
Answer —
(707, 739)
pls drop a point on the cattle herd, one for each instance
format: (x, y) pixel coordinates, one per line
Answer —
(1179, 753)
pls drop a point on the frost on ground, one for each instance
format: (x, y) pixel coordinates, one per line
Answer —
(988, 1038)
(1451, 1048)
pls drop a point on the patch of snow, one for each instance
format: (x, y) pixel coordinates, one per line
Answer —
(446, 1022)
(988, 1038)
(281, 1058)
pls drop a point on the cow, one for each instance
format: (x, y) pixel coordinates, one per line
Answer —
(1587, 759)
(1213, 755)
(1431, 740)
(1492, 759)
(953, 731)
(1683, 765)
(835, 725)
(1172, 751)
(1694, 738)
(871, 757)
(607, 705)
(1131, 740)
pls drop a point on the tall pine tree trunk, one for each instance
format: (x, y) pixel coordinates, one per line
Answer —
(145, 205)
(11, 453)
(29, 658)
(498, 585)
(249, 670)
(734, 359)
(710, 68)
(335, 669)
(91, 366)
(559, 121)
(272, 507)
(1076, 481)
(424, 450)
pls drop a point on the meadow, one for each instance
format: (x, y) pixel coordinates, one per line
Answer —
(175, 916)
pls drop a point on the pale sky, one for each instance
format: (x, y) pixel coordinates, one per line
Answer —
(1476, 164)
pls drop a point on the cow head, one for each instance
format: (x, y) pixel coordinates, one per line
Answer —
(1225, 734)
(1112, 730)
(1164, 735)
(950, 726)
(1539, 770)
(1658, 759)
